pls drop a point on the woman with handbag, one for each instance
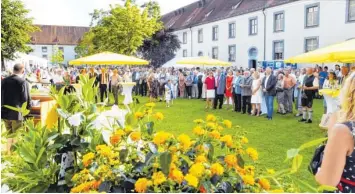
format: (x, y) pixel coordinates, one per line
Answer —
(338, 164)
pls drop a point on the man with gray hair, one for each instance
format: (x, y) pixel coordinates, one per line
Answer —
(14, 92)
(269, 89)
(220, 84)
(246, 92)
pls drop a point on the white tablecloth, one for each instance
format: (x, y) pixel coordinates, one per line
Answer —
(127, 92)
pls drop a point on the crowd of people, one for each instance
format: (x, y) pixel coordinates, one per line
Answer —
(248, 91)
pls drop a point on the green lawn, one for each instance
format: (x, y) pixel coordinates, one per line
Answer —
(272, 139)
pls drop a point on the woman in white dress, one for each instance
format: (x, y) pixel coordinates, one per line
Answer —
(204, 89)
(256, 97)
(174, 82)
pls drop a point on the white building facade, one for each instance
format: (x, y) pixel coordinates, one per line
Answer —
(46, 51)
(65, 38)
(273, 33)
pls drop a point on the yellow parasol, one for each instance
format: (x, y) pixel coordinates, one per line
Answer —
(342, 52)
(202, 61)
(108, 58)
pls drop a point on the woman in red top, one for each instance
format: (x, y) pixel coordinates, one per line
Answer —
(210, 86)
(229, 88)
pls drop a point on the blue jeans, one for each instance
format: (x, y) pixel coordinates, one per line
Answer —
(269, 105)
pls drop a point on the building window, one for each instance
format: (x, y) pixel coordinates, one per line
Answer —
(311, 44)
(184, 53)
(215, 53)
(279, 22)
(44, 56)
(350, 11)
(44, 49)
(61, 48)
(184, 38)
(253, 26)
(200, 35)
(215, 33)
(200, 54)
(278, 49)
(231, 51)
(231, 30)
(312, 15)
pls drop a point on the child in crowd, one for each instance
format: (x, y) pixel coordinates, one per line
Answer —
(168, 93)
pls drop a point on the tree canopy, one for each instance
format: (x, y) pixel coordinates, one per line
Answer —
(121, 30)
(16, 28)
(57, 56)
(160, 48)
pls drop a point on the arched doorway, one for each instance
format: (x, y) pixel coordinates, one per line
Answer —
(200, 54)
(253, 56)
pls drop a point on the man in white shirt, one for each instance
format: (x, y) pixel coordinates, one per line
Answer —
(309, 88)
(298, 87)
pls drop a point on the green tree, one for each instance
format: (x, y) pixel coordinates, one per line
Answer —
(16, 28)
(86, 46)
(57, 56)
(122, 29)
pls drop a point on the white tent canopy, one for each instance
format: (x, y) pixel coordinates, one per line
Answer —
(27, 60)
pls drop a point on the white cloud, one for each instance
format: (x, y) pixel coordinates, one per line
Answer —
(76, 12)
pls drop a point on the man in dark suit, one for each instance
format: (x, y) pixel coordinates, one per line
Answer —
(269, 89)
(14, 92)
(220, 89)
(103, 79)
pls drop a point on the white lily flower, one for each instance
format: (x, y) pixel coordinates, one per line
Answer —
(107, 119)
(75, 120)
(106, 134)
(5, 189)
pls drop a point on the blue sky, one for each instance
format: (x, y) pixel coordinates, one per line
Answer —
(76, 12)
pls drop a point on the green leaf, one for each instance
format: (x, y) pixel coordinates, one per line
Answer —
(24, 107)
(240, 161)
(62, 113)
(210, 152)
(123, 155)
(39, 188)
(27, 154)
(207, 186)
(292, 153)
(312, 143)
(165, 162)
(12, 108)
(187, 159)
(150, 127)
(310, 189)
(296, 163)
(40, 155)
(325, 188)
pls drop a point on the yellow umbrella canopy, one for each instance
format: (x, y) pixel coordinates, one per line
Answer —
(202, 61)
(342, 52)
(108, 58)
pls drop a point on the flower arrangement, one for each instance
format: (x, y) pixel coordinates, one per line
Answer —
(139, 160)
(116, 151)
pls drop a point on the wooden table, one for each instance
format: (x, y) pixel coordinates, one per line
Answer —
(45, 113)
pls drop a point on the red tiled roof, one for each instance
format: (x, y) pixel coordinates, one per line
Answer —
(222, 9)
(61, 35)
